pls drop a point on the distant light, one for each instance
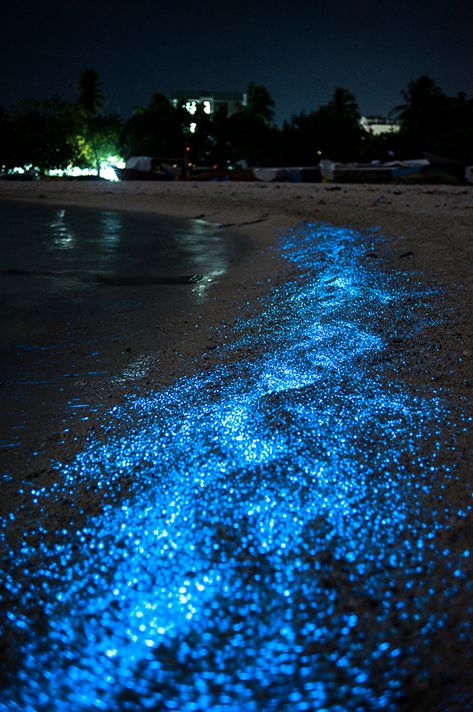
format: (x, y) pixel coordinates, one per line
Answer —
(193, 127)
(207, 107)
(108, 172)
(116, 161)
(22, 170)
(191, 107)
(71, 172)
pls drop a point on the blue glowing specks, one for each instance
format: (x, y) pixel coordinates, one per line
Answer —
(252, 526)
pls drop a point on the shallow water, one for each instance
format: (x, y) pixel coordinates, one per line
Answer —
(71, 280)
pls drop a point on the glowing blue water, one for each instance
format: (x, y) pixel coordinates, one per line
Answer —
(256, 522)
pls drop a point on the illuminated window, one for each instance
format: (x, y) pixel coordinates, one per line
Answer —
(191, 107)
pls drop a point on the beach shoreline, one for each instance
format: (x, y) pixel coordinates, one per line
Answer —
(178, 346)
(416, 245)
(428, 226)
(436, 218)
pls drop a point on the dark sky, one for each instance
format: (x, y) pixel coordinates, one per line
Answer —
(300, 50)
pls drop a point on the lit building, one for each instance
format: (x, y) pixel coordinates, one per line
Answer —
(223, 103)
(377, 125)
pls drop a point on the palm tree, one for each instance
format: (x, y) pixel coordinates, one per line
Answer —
(260, 103)
(425, 102)
(344, 104)
(336, 125)
(91, 100)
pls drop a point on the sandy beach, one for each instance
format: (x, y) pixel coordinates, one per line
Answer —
(412, 590)
(436, 220)
(432, 225)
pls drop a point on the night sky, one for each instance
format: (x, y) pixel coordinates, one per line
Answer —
(300, 50)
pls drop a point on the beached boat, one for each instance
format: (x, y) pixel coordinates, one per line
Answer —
(269, 175)
(441, 166)
(146, 168)
(202, 173)
(291, 174)
(376, 172)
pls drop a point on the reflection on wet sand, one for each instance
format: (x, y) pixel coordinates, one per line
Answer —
(70, 277)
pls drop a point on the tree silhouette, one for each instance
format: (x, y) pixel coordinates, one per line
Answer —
(5, 139)
(156, 130)
(43, 134)
(424, 109)
(333, 131)
(91, 98)
(434, 122)
(249, 134)
(250, 139)
(52, 133)
(338, 126)
(106, 137)
(344, 105)
(90, 101)
(260, 103)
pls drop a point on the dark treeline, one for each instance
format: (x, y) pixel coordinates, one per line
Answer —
(53, 133)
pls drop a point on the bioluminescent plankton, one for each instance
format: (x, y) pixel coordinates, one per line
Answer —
(266, 535)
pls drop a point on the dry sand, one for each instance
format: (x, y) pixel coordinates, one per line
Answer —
(429, 231)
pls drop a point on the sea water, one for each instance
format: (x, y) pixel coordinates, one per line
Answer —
(71, 282)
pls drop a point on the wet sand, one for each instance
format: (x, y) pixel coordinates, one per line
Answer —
(428, 240)
(74, 281)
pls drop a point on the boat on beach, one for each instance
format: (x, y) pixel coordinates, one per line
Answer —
(146, 168)
(151, 169)
(202, 173)
(376, 172)
(430, 169)
(288, 174)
